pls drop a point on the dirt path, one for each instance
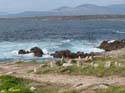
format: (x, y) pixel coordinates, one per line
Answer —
(74, 81)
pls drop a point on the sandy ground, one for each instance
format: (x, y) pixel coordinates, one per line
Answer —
(20, 70)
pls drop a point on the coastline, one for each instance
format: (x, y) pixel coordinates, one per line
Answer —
(67, 69)
(82, 17)
(70, 77)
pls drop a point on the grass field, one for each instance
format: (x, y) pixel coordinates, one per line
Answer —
(87, 69)
(10, 84)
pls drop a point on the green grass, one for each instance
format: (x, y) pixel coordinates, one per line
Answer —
(10, 84)
(99, 71)
(86, 69)
(102, 60)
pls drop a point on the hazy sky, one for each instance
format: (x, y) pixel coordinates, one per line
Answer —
(14, 6)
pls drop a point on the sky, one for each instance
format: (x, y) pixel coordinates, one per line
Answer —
(15, 6)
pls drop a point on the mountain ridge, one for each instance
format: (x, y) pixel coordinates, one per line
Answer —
(84, 9)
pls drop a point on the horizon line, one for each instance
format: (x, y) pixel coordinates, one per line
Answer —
(60, 7)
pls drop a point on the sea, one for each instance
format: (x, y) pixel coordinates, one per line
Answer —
(54, 35)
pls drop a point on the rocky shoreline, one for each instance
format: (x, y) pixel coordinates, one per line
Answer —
(112, 45)
(74, 70)
(108, 46)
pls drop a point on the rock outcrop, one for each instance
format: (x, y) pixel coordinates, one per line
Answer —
(37, 51)
(23, 52)
(69, 54)
(112, 45)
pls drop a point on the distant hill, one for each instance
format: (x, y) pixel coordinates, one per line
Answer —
(85, 9)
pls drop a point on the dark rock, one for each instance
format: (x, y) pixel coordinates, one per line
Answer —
(81, 54)
(60, 54)
(68, 54)
(37, 51)
(23, 52)
(112, 45)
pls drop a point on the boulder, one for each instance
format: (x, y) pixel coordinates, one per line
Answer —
(37, 51)
(23, 52)
(112, 45)
(63, 53)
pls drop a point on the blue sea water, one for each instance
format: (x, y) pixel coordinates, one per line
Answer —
(52, 35)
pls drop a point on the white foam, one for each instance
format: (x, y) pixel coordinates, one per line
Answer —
(11, 50)
(30, 54)
(97, 50)
(45, 51)
(66, 41)
(121, 32)
(47, 56)
(111, 41)
(15, 52)
(28, 49)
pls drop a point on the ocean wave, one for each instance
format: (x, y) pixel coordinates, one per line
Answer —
(47, 56)
(66, 41)
(45, 51)
(14, 52)
(111, 41)
(120, 32)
